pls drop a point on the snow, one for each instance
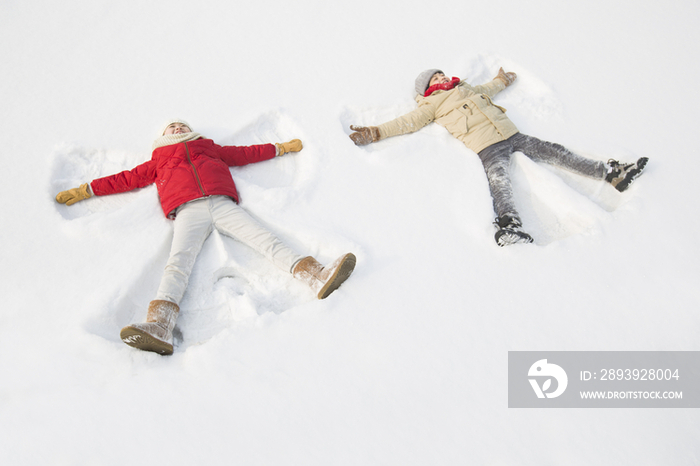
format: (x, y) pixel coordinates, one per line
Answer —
(407, 362)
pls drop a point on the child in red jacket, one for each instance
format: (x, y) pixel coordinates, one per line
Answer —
(197, 191)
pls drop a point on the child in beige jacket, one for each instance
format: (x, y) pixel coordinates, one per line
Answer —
(470, 115)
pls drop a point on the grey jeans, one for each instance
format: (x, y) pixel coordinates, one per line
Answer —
(496, 160)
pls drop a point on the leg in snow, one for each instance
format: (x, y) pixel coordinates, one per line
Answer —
(496, 160)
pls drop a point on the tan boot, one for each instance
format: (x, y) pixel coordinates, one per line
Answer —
(156, 334)
(324, 280)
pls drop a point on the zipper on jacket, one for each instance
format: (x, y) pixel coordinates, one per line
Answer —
(194, 169)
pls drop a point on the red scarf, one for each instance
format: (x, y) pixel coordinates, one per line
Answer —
(442, 87)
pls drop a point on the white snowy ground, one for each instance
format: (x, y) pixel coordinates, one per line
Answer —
(406, 364)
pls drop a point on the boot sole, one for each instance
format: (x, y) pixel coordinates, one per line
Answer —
(632, 175)
(141, 340)
(341, 274)
(508, 237)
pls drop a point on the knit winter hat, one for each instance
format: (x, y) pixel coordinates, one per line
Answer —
(170, 122)
(423, 80)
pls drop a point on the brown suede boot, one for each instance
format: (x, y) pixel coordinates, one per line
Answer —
(156, 334)
(324, 280)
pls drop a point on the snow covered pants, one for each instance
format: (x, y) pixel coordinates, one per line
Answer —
(497, 158)
(195, 221)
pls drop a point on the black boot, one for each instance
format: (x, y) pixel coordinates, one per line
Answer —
(510, 231)
(621, 176)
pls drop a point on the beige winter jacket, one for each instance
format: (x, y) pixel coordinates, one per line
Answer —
(465, 111)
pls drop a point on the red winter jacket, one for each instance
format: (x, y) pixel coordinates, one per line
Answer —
(186, 171)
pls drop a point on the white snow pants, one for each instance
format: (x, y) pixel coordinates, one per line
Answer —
(194, 222)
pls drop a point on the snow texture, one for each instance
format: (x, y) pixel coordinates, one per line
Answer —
(407, 362)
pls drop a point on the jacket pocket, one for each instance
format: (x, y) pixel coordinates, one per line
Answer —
(490, 102)
(456, 122)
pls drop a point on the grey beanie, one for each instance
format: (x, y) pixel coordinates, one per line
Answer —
(423, 80)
